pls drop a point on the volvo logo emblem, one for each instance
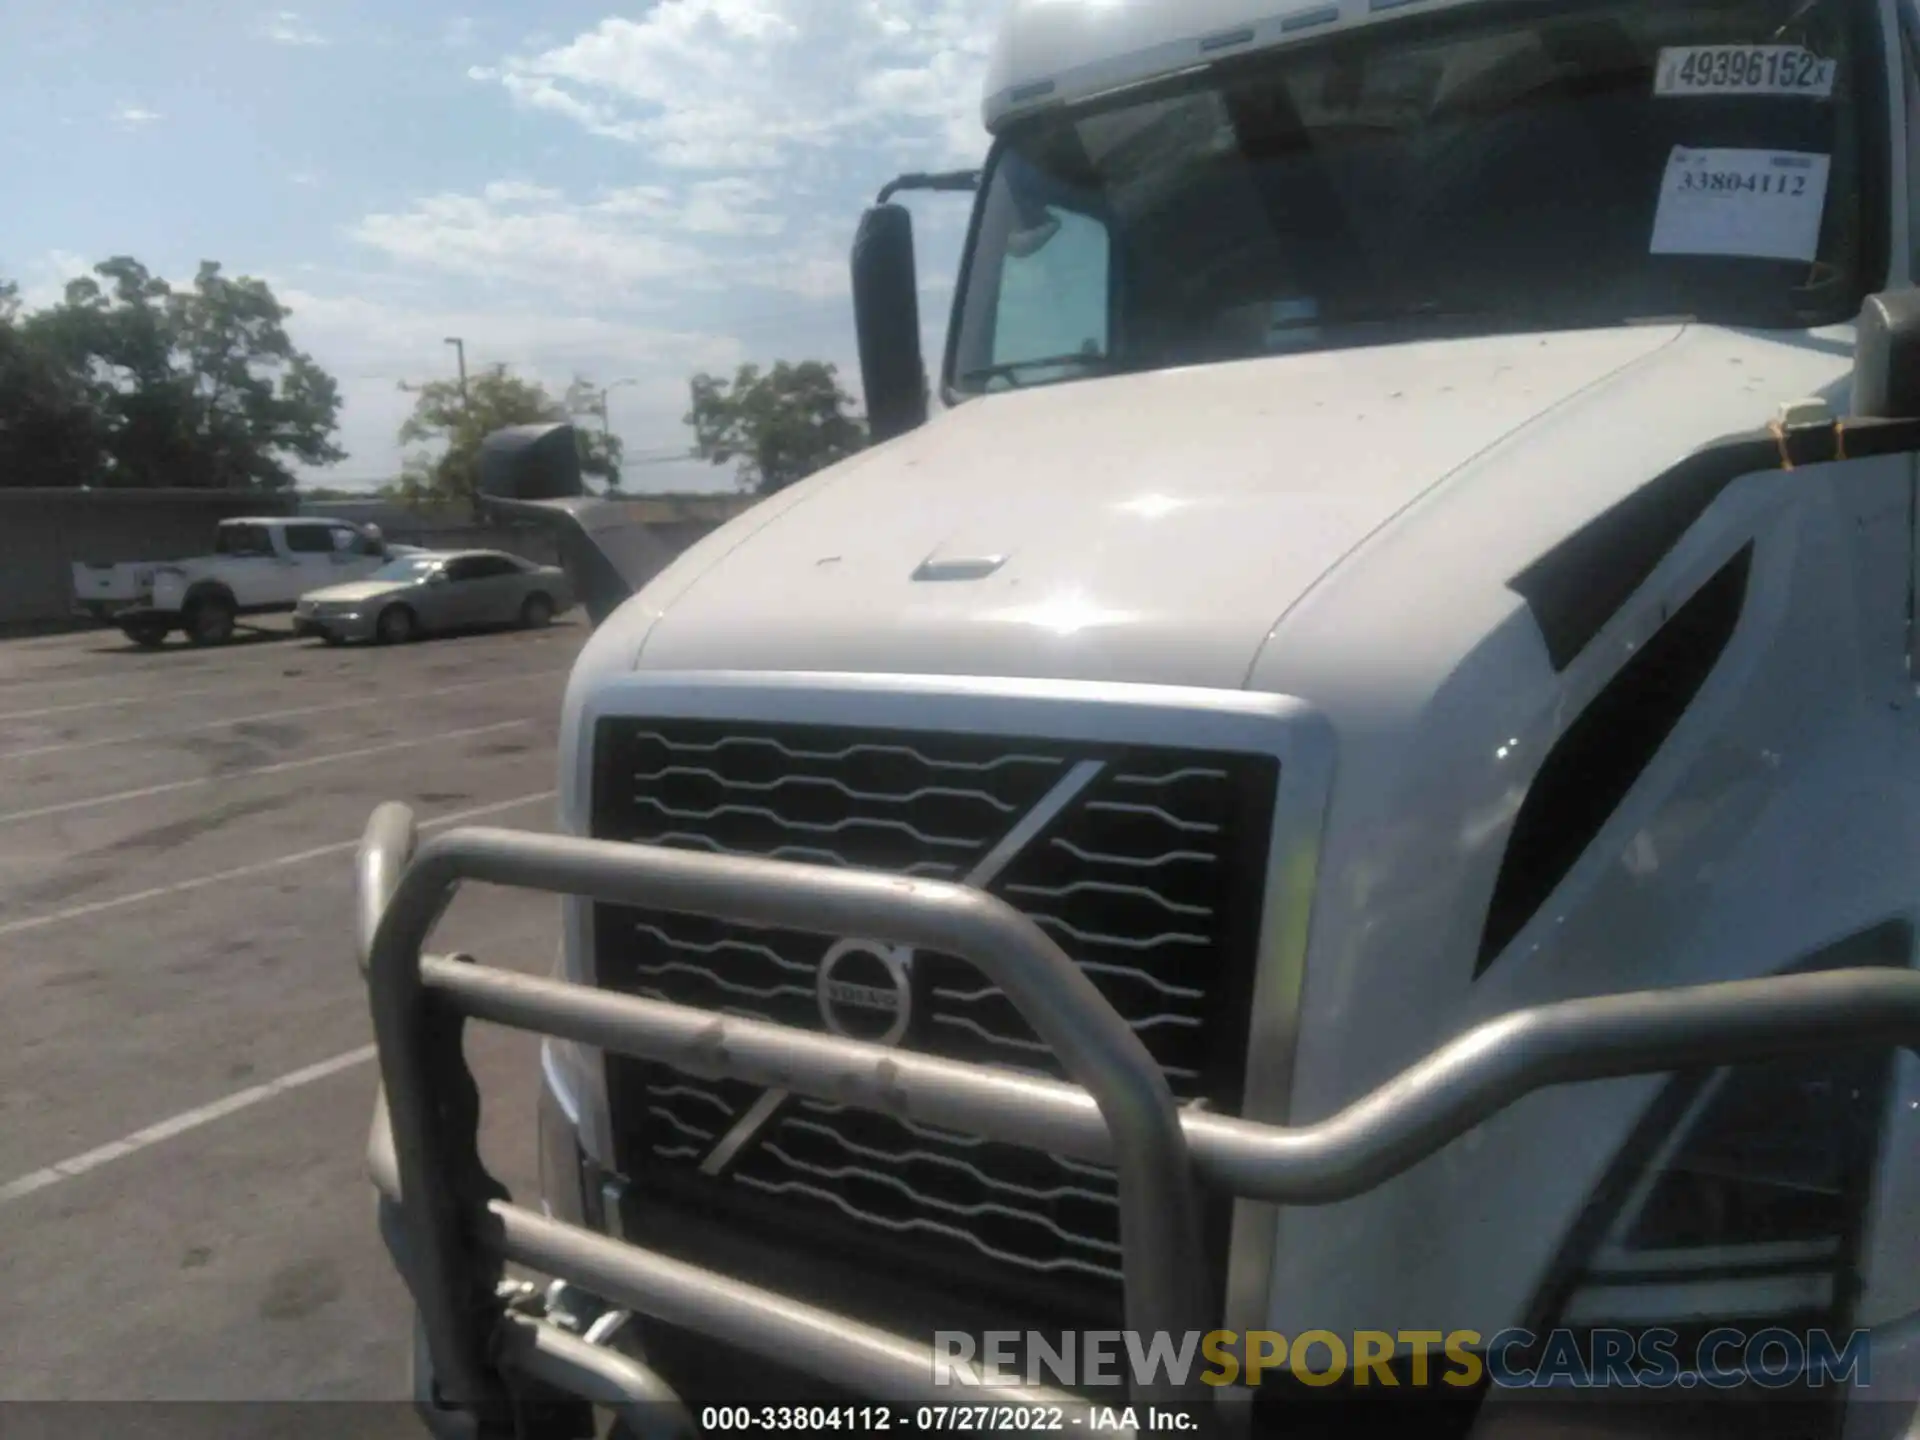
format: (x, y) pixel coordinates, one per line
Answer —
(865, 990)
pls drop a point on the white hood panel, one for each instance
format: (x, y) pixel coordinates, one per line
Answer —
(1153, 527)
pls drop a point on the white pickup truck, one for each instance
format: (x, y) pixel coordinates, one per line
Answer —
(258, 565)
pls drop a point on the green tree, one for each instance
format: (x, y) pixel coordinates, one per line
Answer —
(49, 431)
(199, 388)
(777, 427)
(454, 425)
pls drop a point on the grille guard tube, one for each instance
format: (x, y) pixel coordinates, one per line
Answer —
(1165, 1281)
(456, 1235)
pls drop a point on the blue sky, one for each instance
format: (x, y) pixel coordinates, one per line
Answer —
(634, 192)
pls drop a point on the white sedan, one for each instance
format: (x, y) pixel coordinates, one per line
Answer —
(436, 592)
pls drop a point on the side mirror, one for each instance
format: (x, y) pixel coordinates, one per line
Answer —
(886, 314)
(532, 473)
(531, 462)
(1886, 357)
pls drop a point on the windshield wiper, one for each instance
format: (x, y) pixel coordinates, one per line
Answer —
(1013, 369)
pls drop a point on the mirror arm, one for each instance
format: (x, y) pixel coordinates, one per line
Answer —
(948, 181)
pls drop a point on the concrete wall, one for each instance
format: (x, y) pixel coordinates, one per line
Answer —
(677, 521)
(529, 543)
(42, 532)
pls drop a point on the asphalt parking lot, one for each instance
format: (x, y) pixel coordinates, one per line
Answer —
(185, 1054)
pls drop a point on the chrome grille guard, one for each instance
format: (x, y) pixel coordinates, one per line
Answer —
(452, 1228)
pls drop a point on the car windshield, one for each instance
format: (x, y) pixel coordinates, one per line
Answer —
(408, 567)
(1552, 168)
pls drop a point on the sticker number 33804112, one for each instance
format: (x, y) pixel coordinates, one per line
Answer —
(1762, 204)
(1743, 70)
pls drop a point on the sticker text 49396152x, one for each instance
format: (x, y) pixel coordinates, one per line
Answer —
(1743, 70)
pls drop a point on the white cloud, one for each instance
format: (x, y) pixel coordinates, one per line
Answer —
(518, 192)
(135, 116)
(730, 207)
(370, 344)
(373, 338)
(286, 27)
(783, 117)
(638, 245)
(526, 237)
(45, 280)
(739, 84)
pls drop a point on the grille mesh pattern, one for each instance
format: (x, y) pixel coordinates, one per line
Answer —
(1149, 879)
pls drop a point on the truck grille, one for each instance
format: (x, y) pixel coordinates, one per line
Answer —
(1150, 878)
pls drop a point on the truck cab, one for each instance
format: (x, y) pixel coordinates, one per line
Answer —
(1418, 526)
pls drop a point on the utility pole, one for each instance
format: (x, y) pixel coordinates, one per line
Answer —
(460, 349)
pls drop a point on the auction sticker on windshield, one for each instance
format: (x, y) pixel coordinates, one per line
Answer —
(1743, 70)
(1760, 204)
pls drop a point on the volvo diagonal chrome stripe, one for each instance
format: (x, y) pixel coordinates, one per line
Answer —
(897, 964)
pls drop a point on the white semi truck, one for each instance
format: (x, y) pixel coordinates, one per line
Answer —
(1362, 774)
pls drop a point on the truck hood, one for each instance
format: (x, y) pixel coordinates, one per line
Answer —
(1150, 528)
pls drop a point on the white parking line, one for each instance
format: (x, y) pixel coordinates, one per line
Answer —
(340, 672)
(241, 872)
(119, 702)
(252, 659)
(68, 747)
(67, 807)
(178, 1125)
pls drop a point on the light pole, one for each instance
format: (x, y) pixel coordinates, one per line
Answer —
(466, 418)
(606, 422)
(460, 349)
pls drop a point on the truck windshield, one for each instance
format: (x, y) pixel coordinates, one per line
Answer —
(1555, 167)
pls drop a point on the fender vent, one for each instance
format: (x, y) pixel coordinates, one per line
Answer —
(1741, 1198)
(1589, 772)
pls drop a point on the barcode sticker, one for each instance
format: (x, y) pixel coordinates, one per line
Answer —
(1762, 204)
(1743, 70)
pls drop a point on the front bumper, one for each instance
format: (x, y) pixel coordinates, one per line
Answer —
(358, 626)
(457, 1229)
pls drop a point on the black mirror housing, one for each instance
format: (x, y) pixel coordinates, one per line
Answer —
(531, 462)
(886, 312)
(1886, 357)
(532, 473)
